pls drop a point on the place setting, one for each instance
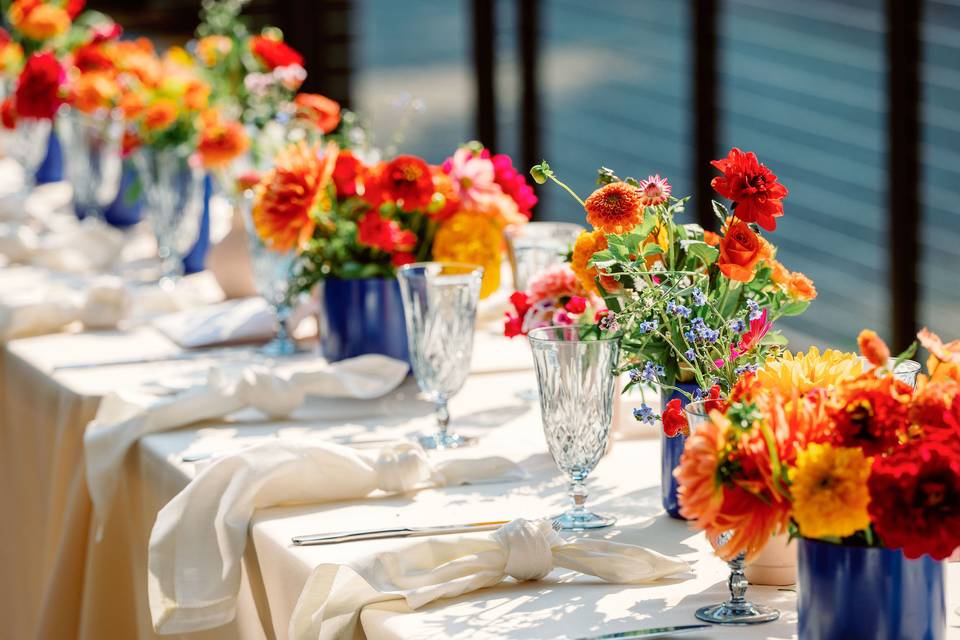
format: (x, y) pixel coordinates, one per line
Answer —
(314, 326)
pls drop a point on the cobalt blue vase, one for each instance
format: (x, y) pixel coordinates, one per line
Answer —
(195, 259)
(51, 169)
(362, 316)
(125, 211)
(670, 451)
(850, 592)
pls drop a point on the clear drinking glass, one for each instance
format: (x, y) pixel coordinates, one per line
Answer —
(440, 308)
(173, 187)
(27, 145)
(576, 378)
(736, 610)
(906, 371)
(92, 157)
(272, 273)
(534, 247)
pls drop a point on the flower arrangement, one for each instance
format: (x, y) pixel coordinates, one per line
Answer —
(849, 455)
(554, 297)
(693, 305)
(354, 219)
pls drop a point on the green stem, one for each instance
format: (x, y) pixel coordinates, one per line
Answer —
(568, 189)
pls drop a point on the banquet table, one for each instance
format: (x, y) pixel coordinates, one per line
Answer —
(60, 582)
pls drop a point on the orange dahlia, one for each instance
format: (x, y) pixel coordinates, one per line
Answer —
(220, 140)
(614, 208)
(286, 198)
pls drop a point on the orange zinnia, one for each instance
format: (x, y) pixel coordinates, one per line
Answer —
(287, 196)
(873, 348)
(587, 244)
(160, 115)
(614, 208)
(220, 141)
(801, 287)
(94, 90)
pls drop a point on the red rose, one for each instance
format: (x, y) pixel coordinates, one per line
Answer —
(675, 419)
(753, 188)
(407, 180)
(8, 114)
(915, 498)
(345, 174)
(520, 302)
(323, 112)
(576, 304)
(513, 326)
(38, 89)
(274, 53)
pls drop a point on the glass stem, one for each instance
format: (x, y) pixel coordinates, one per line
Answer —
(578, 492)
(443, 417)
(737, 582)
(282, 313)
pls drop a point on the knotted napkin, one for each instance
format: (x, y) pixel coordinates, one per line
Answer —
(125, 417)
(199, 537)
(450, 566)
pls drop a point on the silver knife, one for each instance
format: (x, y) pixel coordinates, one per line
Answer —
(652, 632)
(399, 532)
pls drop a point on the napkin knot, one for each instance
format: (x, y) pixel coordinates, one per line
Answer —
(401, 467)
(529, 548)
(260, 388)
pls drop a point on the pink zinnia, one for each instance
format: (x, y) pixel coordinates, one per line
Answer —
(654, 190)
(554, 283)
(473, 176)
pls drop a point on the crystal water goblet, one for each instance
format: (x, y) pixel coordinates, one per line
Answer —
(173, 188)
(272, 275)
(737, 609)
(575, 373)
(92, 157)
(26, 144)
(905, 371)
(440, 308)
(536, 246)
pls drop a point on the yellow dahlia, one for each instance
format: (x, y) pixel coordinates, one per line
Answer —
(288, 194)
(830, 494)
(803, 372)
(471, 237)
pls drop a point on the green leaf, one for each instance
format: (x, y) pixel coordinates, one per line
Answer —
(794, 308)
(702, 251)
(652, 249)
(649, 222)
(774, 338)
(908, 353)
(603, 259)
(720, 211)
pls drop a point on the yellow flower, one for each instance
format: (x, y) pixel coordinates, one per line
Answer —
(829, 487)
(212, 49)
(803, 372)
(473, 238)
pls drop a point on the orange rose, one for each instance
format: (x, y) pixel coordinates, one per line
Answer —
(160, 115)
(800, 287)
(323, 112)
(873, 348)
(711, 238)
(740, 250)
(38, 21)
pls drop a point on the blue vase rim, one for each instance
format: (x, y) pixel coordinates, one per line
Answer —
(862, 548)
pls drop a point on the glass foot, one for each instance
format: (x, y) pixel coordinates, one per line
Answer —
(737, 613)
(529, 394)
(581, 520)
(280, 347)
(445, 441)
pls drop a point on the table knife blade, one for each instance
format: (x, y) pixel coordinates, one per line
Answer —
(651, 632)
(395, 532)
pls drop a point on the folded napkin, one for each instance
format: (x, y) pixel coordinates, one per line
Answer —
(125, 417)
(71, 245)
(199, 537)
(233, 321)
(450, 566)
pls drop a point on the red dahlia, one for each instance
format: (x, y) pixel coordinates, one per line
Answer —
(915, 498)
(38, 89)
(274, 53)
(753, 188)
(871, 413)
(407, 180)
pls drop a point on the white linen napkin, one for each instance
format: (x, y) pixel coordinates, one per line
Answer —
(125, 417)
(199, 537)
(449, 566)
(234, 321)
(71, 246)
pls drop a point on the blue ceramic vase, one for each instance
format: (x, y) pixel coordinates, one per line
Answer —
(670, 451)
(125, 211)
(51, 169)
(194, 261)
(867, 592)
(362, 316)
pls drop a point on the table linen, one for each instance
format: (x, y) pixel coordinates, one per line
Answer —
(199, 537)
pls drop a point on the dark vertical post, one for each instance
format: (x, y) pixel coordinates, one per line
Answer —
(529, 45)
(903, 157)
(704, 112)
(483, 68)
(320, 30)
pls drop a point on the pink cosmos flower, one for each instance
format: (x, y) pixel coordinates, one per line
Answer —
(473, 176)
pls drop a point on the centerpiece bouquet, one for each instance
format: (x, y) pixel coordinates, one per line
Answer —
(859, 464)
(695, 308)
(353, 222)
